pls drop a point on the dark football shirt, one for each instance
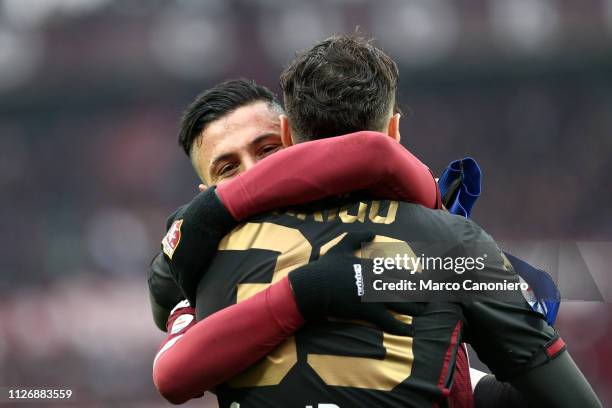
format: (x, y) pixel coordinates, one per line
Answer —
(354, 364)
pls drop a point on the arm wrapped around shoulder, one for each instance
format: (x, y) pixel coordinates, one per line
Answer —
(193, 238)
(311, 171)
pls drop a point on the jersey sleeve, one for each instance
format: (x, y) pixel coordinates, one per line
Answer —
(507, 334)
(163, 290)
(197, 357)
(360, 161)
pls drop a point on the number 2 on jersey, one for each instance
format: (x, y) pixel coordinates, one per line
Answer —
(294, 251)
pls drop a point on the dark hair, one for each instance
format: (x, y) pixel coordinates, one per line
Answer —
(217, 102)
(341, 85)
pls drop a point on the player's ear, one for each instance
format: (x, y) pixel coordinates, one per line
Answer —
(285, 130)
(393, 130)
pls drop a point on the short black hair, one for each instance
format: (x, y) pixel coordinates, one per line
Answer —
(341, 85)
(217, 102)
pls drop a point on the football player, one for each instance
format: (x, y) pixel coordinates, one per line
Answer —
(403, 177)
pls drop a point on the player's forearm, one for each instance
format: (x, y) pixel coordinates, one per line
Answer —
(343, 164)
(489, 392)
(404, 177)
(558, 384)
(192, 240)
(203, 222)
(225, 343)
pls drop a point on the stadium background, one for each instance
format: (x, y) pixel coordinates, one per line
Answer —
(90, 94)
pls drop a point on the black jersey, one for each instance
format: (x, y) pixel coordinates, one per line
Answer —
(163, 289)
(337, 363)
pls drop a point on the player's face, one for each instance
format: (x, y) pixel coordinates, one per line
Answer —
(235, 142)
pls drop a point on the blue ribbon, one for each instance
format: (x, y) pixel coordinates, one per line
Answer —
(460, 186)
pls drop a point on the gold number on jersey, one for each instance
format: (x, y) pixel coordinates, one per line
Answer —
(294, 251)
(360, 372)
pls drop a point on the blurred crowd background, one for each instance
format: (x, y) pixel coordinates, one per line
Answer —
(90, 96)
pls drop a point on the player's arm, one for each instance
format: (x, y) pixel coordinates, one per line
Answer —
(197, 358)
(164, 293)
(558, 383)
(400, 176)
(512, 339)
(328, 167)
(227, 342)
(317, 171)
(554, 384)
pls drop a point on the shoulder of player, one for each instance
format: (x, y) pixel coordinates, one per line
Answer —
(466, 230)
(441, 221)
(469, 234)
